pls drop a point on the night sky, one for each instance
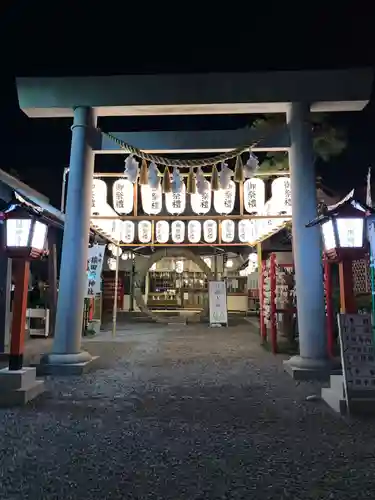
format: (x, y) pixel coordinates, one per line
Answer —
(63, 39)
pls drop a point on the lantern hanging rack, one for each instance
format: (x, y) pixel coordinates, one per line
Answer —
(189, 217)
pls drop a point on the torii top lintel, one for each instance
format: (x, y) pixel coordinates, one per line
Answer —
(214, 93)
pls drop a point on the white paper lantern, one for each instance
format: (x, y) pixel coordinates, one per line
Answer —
(98, 195)
(201, 203)
(144, 231)
(123, 196)
(179, 266)
(178, 231)
(175, 203)
(128, 231)
(269, 224)
(244, 231)
(116, 251)
(111, 264)
(224, 199)
(152, 199)
(254, 195)
(194, 231)
(210, 231)
(227, 231)
(281, 196)
(162, 231)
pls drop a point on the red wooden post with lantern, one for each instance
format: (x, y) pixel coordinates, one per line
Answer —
(25, 239)
(344, 240)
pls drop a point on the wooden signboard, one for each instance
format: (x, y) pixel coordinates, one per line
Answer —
(357, 355)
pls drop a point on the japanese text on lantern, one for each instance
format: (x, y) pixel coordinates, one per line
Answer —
(119, 196)
(176, 201)
(205, 200)
(287, 194)
(227, 231)
(252, 196)
(178, 231)
(154, 200)
(21, 232)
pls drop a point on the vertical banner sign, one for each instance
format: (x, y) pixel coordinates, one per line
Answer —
(217, 300)
(94, 269)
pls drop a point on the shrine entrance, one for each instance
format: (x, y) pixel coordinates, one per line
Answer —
(176, 293)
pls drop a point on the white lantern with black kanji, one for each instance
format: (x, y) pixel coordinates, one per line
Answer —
(128, 231)
(98, 196)
(162, 231)
(281, 196)
(175, 203)
(152, 199)
(228, 229)
(194, 231)
(254, 195)
(123, 196)
(224, 199)
(244, 231)
(144, 231)
(178, 231)
(201, 203)
(210, 231)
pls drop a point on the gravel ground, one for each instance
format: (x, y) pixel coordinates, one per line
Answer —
(186, 414)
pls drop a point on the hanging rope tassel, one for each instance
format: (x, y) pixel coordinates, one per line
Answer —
(191, 187)
(215, 179)
(167, 186)
(239, 174)
(143, 174)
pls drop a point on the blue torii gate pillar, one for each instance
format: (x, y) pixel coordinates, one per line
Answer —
(312, 362)
(66, 356)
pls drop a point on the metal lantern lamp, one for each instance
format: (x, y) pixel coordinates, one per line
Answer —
(25, 235)
(343, 228)
(25, 240)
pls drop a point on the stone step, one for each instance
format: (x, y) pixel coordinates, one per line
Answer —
(337, 384)
(358, 405)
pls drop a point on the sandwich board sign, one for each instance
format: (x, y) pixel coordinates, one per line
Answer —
(357, 355)
(217, 302)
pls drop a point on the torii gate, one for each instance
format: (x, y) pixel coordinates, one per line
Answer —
(291, 92)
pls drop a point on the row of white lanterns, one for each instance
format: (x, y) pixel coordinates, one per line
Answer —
(249, 231)
(175, 203)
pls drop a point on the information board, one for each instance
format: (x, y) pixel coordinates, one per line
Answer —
(217, 300)
(357, 354)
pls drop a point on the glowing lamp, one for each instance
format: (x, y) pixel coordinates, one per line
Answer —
(343, 228)
(25, 235)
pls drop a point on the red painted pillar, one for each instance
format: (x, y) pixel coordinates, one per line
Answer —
(263, 330)
(347, 298)
(273, 303)
(17, 341)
